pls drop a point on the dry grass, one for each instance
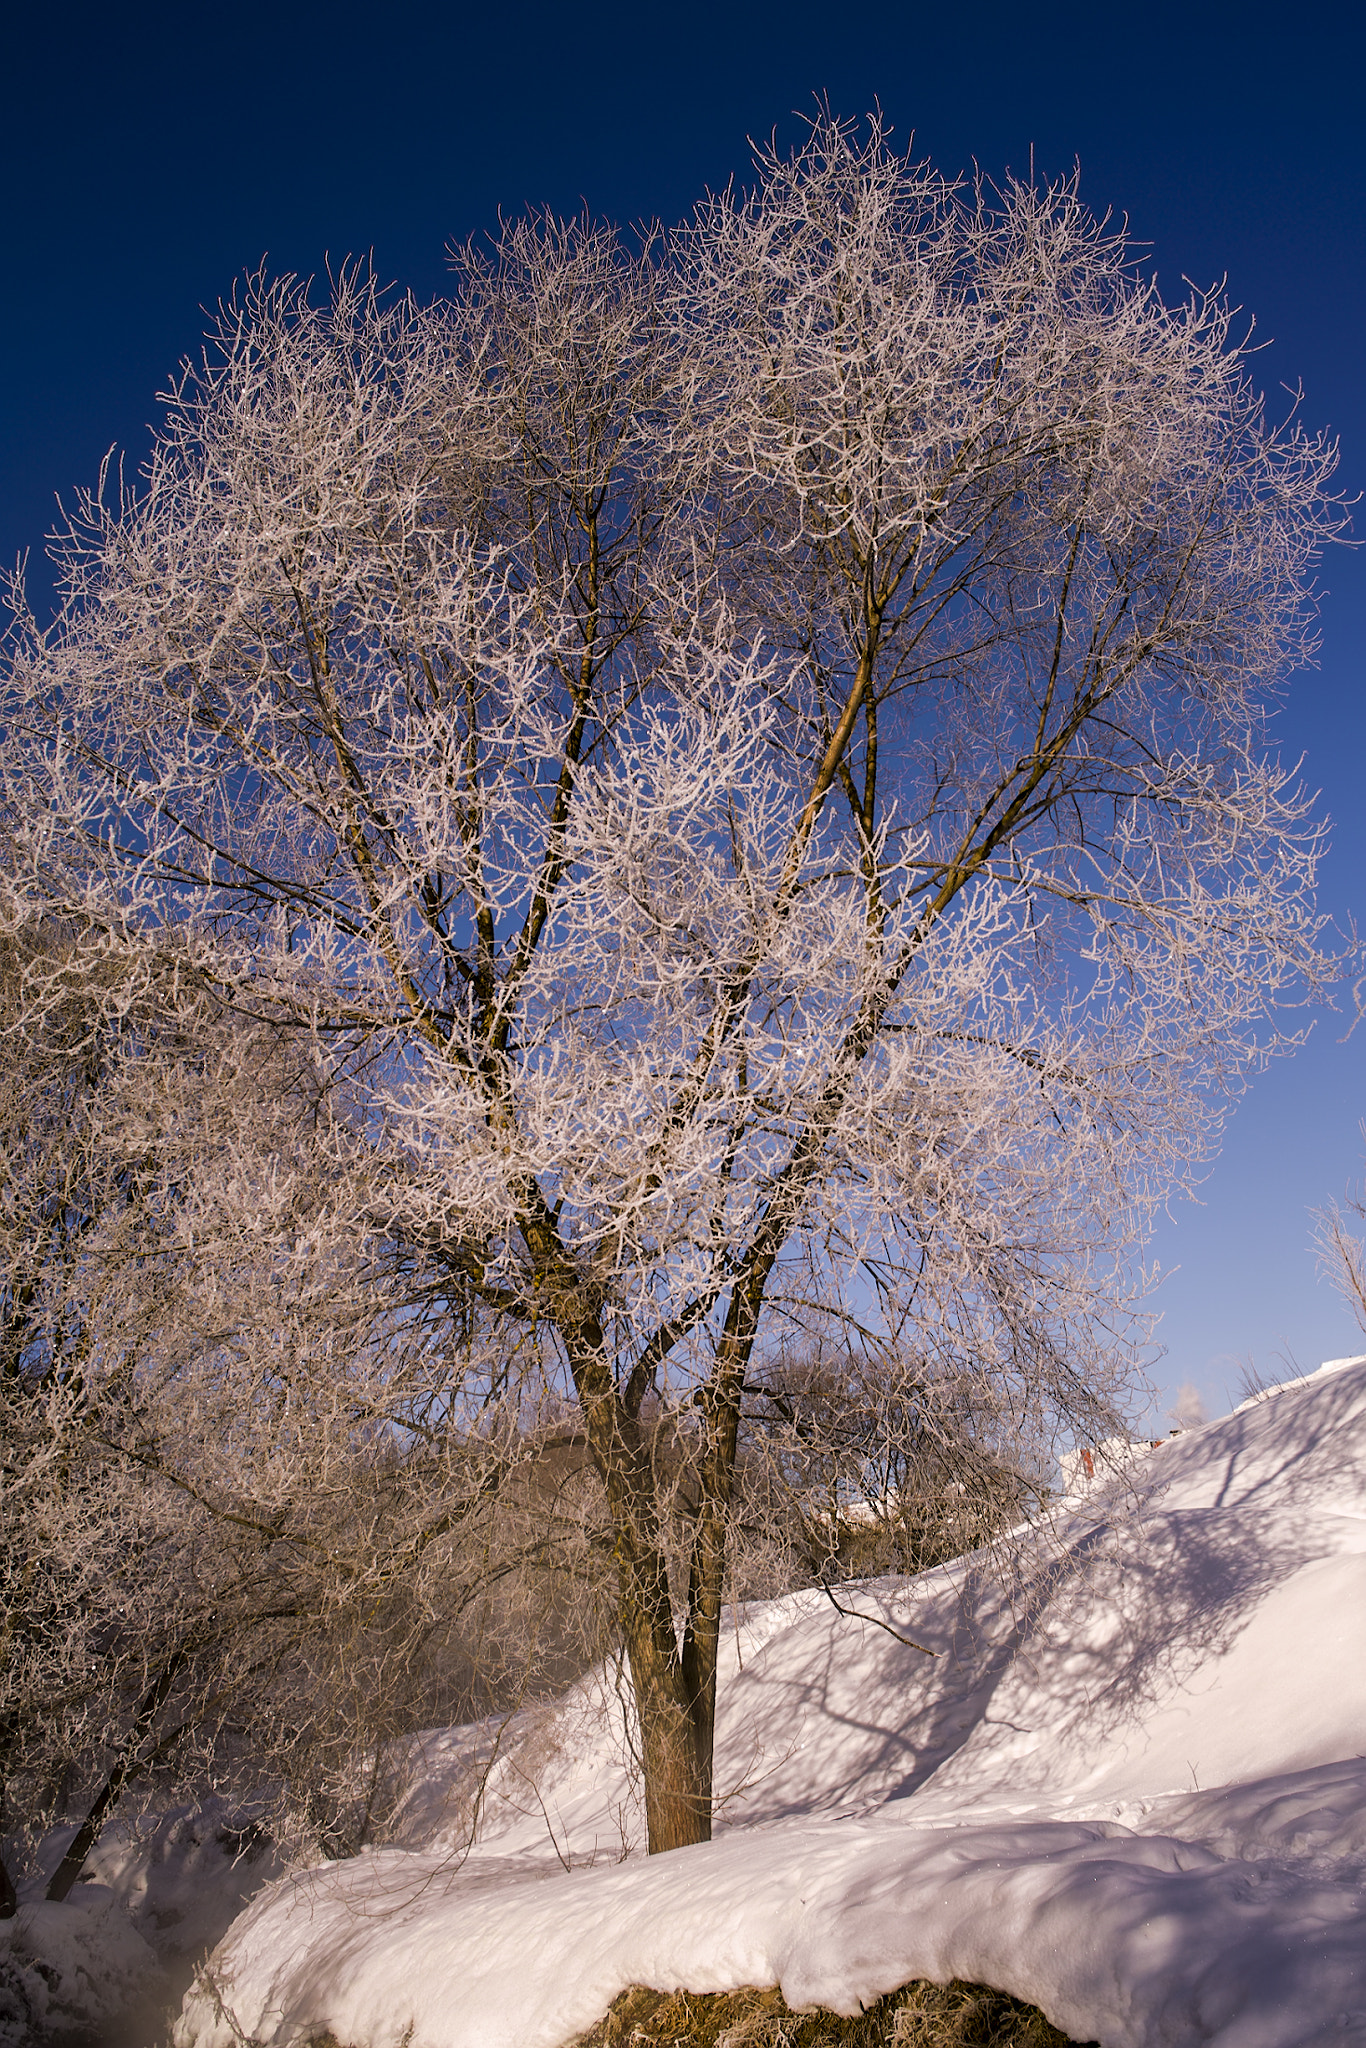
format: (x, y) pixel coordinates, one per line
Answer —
(919, 2015)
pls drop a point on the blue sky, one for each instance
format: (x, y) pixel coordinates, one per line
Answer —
(150, 154)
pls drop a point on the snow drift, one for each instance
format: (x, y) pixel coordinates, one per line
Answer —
(1129, 1787)
(74, 1969)
(160, 1888)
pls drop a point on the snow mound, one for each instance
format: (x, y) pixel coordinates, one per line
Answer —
(73, 1968)
(1129, 1787)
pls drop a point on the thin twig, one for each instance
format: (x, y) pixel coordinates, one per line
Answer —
(852, 1614)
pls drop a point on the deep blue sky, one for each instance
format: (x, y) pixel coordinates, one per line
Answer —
(151, 153)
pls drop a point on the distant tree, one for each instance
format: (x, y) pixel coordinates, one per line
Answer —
(1342, 1253)
(741, 768)
(860, 1465)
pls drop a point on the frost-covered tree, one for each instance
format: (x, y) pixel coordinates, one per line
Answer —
(742, 768)
(1342, 1252)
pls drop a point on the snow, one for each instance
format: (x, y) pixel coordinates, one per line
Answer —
(1130, 1787)
(72, 1968)
(182, 1874)
(160, 1889)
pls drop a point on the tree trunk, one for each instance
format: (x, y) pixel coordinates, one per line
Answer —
(677, 1805)
(711, 1534)
(707, 1573)
(9, 1898)
(88, 1833)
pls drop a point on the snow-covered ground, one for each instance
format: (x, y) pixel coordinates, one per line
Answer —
(160, 1887)
(1130, 1787)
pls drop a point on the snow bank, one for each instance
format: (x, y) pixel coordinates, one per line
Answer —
(1129, 1787)
(73, 1968)
(164, 1886)
(1120, 1937)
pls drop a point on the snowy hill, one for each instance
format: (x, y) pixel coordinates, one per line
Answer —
(1129, 1786)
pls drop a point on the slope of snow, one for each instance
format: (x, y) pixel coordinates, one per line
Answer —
(1129, 1787)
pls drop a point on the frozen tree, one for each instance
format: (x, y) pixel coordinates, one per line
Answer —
(741, 769)
(1342, 1254)
(75, 1534)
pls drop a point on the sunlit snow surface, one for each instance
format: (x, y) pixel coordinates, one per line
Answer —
(1130, 1788)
